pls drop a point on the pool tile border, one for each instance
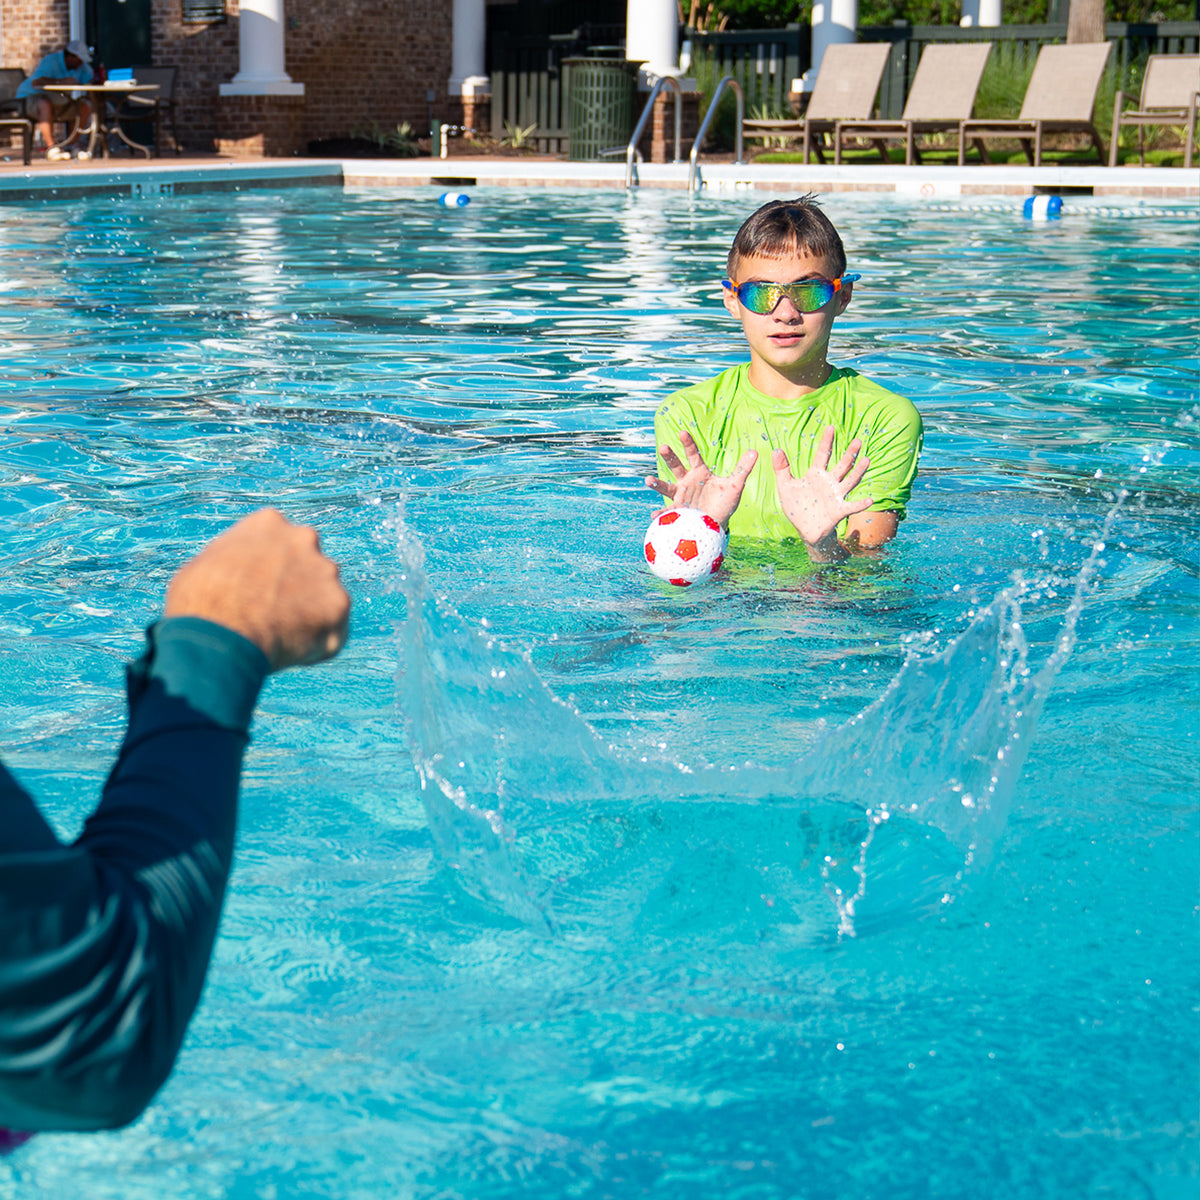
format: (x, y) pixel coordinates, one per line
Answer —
(74, 181)
(159, 178)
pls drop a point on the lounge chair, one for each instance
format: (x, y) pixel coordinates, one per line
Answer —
(1059, 99)
(1170, 90)
(12, 110)
(846, 86)
(942, 94)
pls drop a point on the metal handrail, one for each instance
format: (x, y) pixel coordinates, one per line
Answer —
(694, 180)
(631, 150)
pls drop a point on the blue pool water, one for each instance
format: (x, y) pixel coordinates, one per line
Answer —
(872, 882)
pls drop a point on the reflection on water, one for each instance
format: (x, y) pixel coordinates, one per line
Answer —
(606, 950)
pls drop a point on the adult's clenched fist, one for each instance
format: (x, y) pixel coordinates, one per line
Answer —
(267, 579)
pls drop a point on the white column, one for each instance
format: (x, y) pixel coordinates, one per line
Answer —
(832, 21)
(76, 21)
(467, 77)
(980, 12)
(260, 53)
(652, 36)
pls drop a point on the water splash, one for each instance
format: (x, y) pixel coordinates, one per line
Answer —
(887, 818)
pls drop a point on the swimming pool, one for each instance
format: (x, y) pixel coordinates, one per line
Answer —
(654, 925)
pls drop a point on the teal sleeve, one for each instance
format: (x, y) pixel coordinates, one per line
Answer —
(104, 944)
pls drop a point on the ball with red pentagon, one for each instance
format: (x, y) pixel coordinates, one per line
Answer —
(684, 546)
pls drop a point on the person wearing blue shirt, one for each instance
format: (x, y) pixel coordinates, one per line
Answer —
(104, 943)
(72, 64)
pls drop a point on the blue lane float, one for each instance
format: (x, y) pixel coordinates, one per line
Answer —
(1042, 208)
(454, 199)
(1073, 210)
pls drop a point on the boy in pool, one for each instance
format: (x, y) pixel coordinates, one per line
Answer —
(787, 283)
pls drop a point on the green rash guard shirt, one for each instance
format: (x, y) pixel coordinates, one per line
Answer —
(104, 943)
(727, 416)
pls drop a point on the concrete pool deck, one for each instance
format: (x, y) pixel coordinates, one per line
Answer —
(177, 176)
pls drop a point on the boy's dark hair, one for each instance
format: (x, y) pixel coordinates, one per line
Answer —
(783, 226)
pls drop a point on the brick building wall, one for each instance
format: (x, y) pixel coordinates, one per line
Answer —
(371, 60)
(30, 29)
(362, 62)
(206, 55)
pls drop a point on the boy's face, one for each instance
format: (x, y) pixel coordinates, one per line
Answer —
(786, 341)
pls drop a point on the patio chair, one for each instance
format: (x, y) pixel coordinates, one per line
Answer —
(12, 110)
(942, 94)
(152, 107)
(1170, 90)
(1059, 99)
(846, 86)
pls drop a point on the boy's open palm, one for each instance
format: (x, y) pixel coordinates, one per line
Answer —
(695, 486)
(816, 502)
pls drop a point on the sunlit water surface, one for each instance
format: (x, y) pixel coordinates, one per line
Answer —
(563, 882)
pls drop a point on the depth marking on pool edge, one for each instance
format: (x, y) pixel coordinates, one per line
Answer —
(158, 188)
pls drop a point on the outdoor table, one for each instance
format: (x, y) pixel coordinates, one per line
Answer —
(104, 112)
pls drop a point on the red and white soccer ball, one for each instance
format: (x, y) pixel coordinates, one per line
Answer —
(684, 545)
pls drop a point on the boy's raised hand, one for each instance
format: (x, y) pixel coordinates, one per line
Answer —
(816, 502)
(696, 486)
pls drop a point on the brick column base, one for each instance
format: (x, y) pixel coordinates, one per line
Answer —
(259, 126)
(658, 138)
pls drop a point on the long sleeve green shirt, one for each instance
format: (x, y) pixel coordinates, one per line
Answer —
(104, 943)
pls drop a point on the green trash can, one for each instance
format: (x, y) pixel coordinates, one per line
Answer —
(600, 98)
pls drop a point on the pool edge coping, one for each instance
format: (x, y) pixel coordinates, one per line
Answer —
(157, 178)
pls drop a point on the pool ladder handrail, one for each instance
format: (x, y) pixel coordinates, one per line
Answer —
(631, 151)
(695, 182)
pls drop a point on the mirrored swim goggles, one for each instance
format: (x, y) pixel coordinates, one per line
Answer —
(808, 295)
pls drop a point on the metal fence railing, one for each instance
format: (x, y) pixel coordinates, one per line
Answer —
(530, 84)
(763, 62)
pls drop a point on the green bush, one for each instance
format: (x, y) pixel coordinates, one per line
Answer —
(1002, 87)
(722, 133)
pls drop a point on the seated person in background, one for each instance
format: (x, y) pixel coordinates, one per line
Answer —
(104, 943)
(787, 283)
(70, 65)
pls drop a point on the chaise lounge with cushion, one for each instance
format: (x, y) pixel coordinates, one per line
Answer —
(846, 87)
(1169, 96)
(942, 94)
(1059, 99)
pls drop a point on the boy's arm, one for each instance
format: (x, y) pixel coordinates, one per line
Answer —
(894, 447)
(816, 502)
(870, 530)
